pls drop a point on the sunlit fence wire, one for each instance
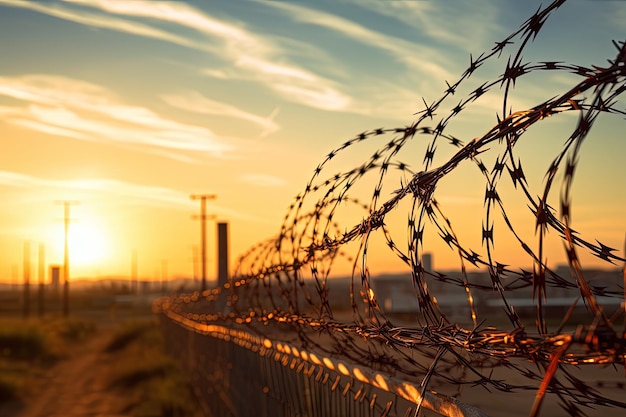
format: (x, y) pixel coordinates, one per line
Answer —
(236, 373)
(281, 290)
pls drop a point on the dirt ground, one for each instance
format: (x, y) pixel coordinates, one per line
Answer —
(80, 383)
(76, 386)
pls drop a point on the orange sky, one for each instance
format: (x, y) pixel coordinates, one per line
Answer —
(129, 109)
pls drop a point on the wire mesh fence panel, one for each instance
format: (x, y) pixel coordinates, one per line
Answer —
(237, 374)
(505, 321)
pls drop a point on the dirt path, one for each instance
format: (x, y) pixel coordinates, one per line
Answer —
(76, 386)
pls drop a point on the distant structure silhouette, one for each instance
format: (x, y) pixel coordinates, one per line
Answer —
(55, 278)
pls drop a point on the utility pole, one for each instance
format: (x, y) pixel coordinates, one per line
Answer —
(26, 303)
(42, 278)
(164, 276)
(195, 264)
(222, 262)
(133, 273)
(66, 256)
(15, 276)
(203, 218)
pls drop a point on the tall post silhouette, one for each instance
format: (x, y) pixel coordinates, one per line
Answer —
(66, 256)
(203, 218)
(195, 264)
(164, 276)
(134, 288)
(26, 303)
(15, 277)
(42, 278)
(223, 275)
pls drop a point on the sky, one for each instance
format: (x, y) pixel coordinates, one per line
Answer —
(128, 107)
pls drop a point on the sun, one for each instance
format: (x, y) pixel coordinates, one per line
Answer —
(87, 244)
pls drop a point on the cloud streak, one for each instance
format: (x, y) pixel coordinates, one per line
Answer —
(255, 56)
(260, 58)
(417, 57)
(104, 22)
(80, 110)
(122, 191)
(263, 180)
(149, 194)
(432, 19)
(192, 101)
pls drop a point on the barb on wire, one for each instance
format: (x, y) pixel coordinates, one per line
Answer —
(283, 287)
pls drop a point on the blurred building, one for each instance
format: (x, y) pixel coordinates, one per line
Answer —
(55, 277)
(427, 262)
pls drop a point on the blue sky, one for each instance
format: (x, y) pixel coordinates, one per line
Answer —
(132, 106)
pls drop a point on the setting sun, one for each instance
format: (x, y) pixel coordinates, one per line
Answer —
(87, 244)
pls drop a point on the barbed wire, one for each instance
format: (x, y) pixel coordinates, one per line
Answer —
(282, 287)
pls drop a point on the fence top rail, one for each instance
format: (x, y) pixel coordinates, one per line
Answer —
(439, 403)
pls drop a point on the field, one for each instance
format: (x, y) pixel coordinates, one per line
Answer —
(106, 358)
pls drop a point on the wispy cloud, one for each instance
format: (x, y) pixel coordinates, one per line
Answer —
(115, 191)
(474, 22)
(181, 14)
(617, 16)
(195, 102)
(242, 54)
(257, 56)
(415, 56)
(105, 22)
(80, 110)
(263, 180)
(149, 194)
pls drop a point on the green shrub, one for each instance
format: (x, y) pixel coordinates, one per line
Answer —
(127, 334)
(133, 374)
(167, 398)
(76, 329)
(147, 375)
(22, 342)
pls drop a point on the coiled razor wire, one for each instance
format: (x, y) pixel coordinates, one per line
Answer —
(281, 287)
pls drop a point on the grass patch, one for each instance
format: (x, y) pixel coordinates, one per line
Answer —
(126, 335)
(168, 404)
(28, 348)
(148, 377)
(75, 330)
(133, 366)
(141, 374)
(22, 342)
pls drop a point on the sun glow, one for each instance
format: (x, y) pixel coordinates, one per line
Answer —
(88, 244)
